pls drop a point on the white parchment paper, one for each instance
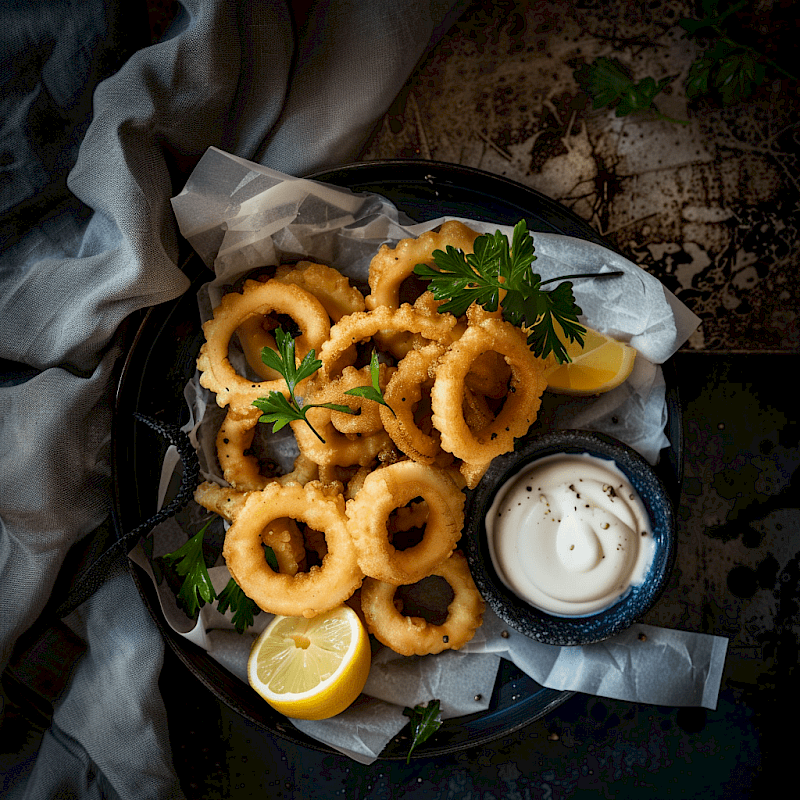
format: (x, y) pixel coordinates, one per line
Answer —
(238, 216)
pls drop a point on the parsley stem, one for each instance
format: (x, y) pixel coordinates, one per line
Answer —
(563, 278)
(756, 53)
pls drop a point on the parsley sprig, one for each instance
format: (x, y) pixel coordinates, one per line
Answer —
(728, 67)
(498, 275)
(610, 84)
(425, 721)
(244, 609)
(189, 562)
(281, 410)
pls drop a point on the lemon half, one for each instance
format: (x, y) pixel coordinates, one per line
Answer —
(311, 668)
(601, 364)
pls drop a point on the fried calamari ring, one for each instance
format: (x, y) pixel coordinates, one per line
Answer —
(403, 394)
(282, 535)
(254, 334)
(414, 635)
(242, 469)
(339, 350)
(389, 488)
(234, 438)
(327, 284)
(342, 449)
(257, 298)
(222, 500)
(521, 405)
(391, 266)
(305, 594)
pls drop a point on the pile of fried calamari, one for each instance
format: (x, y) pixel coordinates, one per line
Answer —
(374, 503)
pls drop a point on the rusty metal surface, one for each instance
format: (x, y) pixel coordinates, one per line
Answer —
(710, 207)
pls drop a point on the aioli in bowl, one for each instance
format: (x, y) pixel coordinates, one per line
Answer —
(569, 534)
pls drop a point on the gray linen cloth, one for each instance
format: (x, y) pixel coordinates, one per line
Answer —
(99, 127)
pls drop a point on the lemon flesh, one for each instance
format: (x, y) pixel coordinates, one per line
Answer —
(311, 668)
(601, 364)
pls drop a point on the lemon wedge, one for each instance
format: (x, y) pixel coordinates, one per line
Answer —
(311, 668)
(601, 364)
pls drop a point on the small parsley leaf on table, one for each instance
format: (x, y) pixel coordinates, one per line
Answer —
(610, 85)
(425, 721)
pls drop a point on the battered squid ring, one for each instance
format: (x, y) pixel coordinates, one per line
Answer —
(338, 297)
(242, 470)
(403, 393)
(339, 350)
(282, 535)
(257, 298)
(327, 284)
(342, 449)
(392, 487)
(391, 266)
(234, 438)
(305, 594)
(223, 500)
(522, 401)
(414, 635)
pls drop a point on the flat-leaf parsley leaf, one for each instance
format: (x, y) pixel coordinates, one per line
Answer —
(281, 410)
(425, 721)
(498, 274)
(244, 609)
(189, 562)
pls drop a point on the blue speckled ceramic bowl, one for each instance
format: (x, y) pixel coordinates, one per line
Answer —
(538, 624)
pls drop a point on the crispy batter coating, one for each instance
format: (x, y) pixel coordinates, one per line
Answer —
(414, 635)
(392, 487)
(256, 299)
(304, 594)
(526, 386)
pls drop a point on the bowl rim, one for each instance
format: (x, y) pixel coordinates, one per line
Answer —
(590, 628)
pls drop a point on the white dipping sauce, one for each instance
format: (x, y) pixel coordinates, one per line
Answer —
(569, 534)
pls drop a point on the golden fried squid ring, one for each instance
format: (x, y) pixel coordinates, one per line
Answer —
(235, 436)
(327, 284)
(403, 393)
(257, 298)
(521, 404)
(222, 500)
(340, 349)
(389, 488)
(391, 266)
(305, 594)
(242, 470)
(414, 635)
(342, 449)
(282, 535)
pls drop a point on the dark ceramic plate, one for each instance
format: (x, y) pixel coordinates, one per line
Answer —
(161, 359)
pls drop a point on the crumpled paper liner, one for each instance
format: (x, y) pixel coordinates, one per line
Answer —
(239, 215)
